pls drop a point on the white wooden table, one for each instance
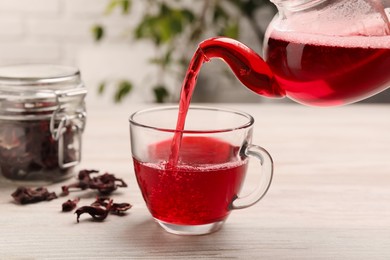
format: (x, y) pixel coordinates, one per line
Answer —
(330, 197)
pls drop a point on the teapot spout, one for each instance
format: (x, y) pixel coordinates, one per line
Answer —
(245, 63)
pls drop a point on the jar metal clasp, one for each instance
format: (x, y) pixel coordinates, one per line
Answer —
(60, 123)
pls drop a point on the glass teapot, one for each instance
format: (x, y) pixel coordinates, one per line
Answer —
(316, 52)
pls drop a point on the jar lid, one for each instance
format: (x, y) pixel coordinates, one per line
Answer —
(33, 88)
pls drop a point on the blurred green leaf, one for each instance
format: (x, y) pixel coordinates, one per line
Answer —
(160, 93)
(231, 30)
(111, 6)
(163, 61)
(183, 61)
(123, 89)
(188, 15)
(196, 33)
(220, 14)
(249, 7)
(101, 87)
(164, 9)
(124, 5)
(147, 28)
(163, 26)
(97, 32)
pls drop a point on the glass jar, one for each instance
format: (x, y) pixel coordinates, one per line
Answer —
(42, 117)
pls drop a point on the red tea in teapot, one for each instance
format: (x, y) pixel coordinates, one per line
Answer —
(316, 70)
(328, 71)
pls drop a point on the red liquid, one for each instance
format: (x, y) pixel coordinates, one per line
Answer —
(326, 75)
(313, 74)
(187, 90)
(200, 188)
(246, 64)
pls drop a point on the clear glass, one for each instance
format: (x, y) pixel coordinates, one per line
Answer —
(196, 195)
(42, 117)
(367, 18)
(295, 5)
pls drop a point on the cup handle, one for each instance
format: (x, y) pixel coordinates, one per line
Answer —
(265, 181)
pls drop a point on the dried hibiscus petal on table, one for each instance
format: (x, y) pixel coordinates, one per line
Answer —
(96, 212)
(100, 209)
(24, 195)
(115, 208)
(69, 205)
(120, 208)
(105, 183)
(82, 183)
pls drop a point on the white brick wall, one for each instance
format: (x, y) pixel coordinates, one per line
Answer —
(11, 27)
(31, 6)
(33, 31)
(30, 51)
(59, 32)
(83, 8)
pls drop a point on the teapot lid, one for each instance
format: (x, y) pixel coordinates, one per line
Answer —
(296, 5)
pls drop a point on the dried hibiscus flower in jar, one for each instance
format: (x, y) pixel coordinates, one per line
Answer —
(42, 117)
(29, 152)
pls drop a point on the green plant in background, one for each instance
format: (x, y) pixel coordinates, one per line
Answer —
(171, 24)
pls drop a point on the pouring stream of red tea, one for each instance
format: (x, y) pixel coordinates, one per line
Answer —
(246, 64)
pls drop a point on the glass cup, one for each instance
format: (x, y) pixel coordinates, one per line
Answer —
(194, 192)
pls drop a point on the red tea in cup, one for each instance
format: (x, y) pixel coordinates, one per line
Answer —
(200, 189)
(194, 193)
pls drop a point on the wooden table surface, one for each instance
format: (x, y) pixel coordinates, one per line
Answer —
(330, 196)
